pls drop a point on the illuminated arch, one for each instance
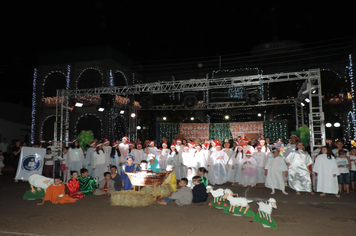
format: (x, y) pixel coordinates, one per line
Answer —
(92, 82)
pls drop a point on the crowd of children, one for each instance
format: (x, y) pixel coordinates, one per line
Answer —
(193, 165)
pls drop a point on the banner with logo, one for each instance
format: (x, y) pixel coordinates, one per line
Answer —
(31, 162)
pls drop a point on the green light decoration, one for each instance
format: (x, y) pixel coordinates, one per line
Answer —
(168, 131)
(303, 133)
(219, 131)
(85, 137)
(275, 130)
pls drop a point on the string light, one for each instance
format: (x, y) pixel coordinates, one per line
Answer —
(89, 114)
(33, 112)
(86, 69)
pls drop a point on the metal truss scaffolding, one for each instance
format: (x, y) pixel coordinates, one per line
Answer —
(311, 89)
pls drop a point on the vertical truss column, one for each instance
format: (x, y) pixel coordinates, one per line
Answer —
(299, 116)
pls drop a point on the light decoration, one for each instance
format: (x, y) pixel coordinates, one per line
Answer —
(33, 112)
(88, 114)
(351, 77)
(49, 74)
(82, 72)
(42, 125)
(123, 74)
(111, 79)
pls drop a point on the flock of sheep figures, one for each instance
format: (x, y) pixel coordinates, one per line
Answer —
(264, 208)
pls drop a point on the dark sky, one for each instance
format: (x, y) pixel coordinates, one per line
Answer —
(151, 30)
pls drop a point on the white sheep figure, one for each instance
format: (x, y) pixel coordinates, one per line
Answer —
(265, 209)
(236, 202)
(216, 193)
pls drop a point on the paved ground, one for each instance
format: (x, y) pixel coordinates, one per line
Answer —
(93, 215)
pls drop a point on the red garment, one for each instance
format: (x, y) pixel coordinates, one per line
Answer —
(106, 185)
(73, 187)
(53, 192)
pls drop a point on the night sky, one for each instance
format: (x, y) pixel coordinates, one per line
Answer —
(153, 32)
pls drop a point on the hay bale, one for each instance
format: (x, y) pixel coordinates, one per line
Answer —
(165, 190)
(131, 198)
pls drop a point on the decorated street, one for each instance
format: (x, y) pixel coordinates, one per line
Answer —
(94, 215)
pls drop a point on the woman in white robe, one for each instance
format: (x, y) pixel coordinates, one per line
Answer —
(217, 173)
(260, 158)
(75, 158)
(174, 160)
(234, 166)
(298, 172)
(274, 170)
(326, 168)
(100, 164)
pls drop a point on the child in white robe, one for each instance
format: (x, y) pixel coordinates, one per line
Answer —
(326, 168)
(174, 160)
(191, 172)
(234, 166)
(249, 172)
(200, 158)
(274, 171)
(217, 173)
(260, 158)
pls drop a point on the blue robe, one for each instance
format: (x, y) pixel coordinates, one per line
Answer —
(125, 177)
(155, 167)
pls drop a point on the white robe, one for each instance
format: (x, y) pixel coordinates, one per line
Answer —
(76, 160)
(187, 161)
(174, 160)
(107, 151)
(201, 160)
(249, 172)
(298, 173)
(217, 173)
(234, 175)
(89, 160)
(100, 164)
(124, 150)
(260, 158)
(37, 180)
(137, 154)
(275, 166)
(326, 168)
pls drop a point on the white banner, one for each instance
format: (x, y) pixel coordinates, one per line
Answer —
(31, 162)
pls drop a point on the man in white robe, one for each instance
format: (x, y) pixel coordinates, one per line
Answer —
(217, 173)
(327, 170)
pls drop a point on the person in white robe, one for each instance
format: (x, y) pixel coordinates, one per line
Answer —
(326, 168)
(274, 170)
(191, 172)
(165, 150)
(191, 146)
(205, 150)
(298, 172)
(228, 150)
(248, 167)
(265, 148)
(114, 156)
(107, 150)
(217, 173)
(89, 158)
(200, 158)
(124, 149)
(247, 147)
(162, 159)
(75, 158)
(179, 146)
(174, 160)
(234, 166)
(260, 158)
(145, 153)
(152, 147)
(137, 153)
(100, 164)
(186, 161)
(291, 146)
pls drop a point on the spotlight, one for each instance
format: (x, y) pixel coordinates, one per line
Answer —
(133, 114)
(328, 125)
(337, 124)
(190, 99)
(302, 104)
(78, 104)
(164, 118)
(101, 109)
(259, 114)
(138, 127)
(192, 118)
(307, 100)
(227, 117)
(122, 112)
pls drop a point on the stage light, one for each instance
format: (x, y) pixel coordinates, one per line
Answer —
(122, 112)
(337, 124)
(101, 109)
(259, 114)
(190, 99)
(78, 104)
(302, 104)
(227, 117)
(192, 118)
(307, 100)
(328, 125)
(133, 114)
(164, 118)
(138, 127)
